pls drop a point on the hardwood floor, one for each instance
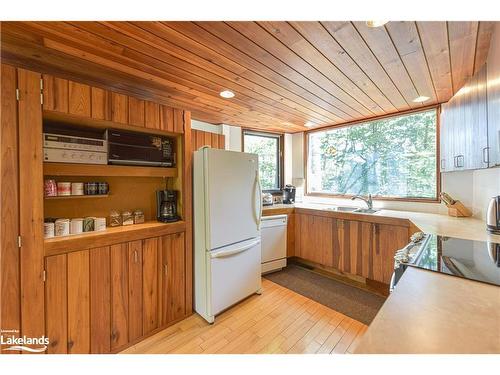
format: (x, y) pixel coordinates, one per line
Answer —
(278, 321)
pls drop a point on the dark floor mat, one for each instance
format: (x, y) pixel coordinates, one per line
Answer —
(348, 300)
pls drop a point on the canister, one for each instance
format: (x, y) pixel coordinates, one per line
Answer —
(138, 216)
(88, 224)
(103, 188)
(99, 224)
(48, 229)
(127, 218)
(77, 188)
(62, 227)
(91, 188)
(76, 226)
(115, 219)
(50, 188)
(64, 188)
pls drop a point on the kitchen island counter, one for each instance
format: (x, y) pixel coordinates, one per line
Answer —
(433, 313)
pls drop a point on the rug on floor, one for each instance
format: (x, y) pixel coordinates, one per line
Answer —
(351, 301)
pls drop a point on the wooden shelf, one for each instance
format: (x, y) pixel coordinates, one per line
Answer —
(76, 197)
(69, 169)
(110, 236)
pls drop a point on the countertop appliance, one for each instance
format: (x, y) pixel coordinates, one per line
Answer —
(134, 148)
(289, 194)
(71, 147)
(166, 206)
(474, 260)
(227, 220)
(273, 242)
(267, 199)
(493, 215)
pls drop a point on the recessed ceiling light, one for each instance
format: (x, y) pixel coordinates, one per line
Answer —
(227, 94)
(375, 23)
(421, 99)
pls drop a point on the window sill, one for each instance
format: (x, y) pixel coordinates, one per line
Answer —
(376, 198)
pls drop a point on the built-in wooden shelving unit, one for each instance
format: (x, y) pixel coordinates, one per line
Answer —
(112, 235)
(69, 169)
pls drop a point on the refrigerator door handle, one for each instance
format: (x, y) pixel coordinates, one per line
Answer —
(258, 218)
(226, 253)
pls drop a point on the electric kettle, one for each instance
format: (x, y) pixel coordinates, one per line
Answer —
(493, 215)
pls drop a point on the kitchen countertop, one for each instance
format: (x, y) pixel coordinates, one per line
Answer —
(468, 228)
(433, 313)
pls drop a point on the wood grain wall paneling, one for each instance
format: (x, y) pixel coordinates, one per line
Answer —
(79, 302)
(166, 118)
(10, 288)
(188, 212)
(119, 295)
(31, 203)
(152, 115)
(100, 300)
(56, 292)
(178, 121)
(119, 108)
(136, 111)
(79, 102)
(101, 104)
(135, 292)
(55, 94)
(150, 253)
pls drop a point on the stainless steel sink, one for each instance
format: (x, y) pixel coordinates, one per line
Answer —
(365, 210)
(343, 208)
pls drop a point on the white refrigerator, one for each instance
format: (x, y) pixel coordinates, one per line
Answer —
(227, 216)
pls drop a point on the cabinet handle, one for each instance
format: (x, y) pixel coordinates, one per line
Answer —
(135, 256)
(442, 164)
(165, 269)
(460, 161)
(486, 155)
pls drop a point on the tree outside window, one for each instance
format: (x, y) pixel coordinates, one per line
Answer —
(389, 157)
(268, 147)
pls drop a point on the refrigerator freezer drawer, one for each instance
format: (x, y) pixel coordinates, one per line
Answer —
(234, 275)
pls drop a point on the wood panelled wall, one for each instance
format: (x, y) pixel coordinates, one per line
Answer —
(200, 138)
(98, 299)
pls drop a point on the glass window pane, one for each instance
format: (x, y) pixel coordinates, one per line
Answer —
(267, 148)
(390, 157)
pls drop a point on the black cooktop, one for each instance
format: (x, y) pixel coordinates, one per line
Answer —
(475, 260)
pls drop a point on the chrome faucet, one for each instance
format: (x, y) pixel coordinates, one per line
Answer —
(368, 201)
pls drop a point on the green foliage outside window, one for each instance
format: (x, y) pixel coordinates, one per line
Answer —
(390, 157)
(267, 147)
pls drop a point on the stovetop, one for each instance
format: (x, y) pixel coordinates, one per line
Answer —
(475, 260)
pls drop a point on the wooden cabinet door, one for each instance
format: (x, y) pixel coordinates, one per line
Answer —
(352, 247)
(100, 300)
(79, 101)
(55, 94)
(172, 278)
(56, 291)
(151, 281)
(135, 315)
(10, 293)
(31, 203)
(315, 242)
(388, 239)
(493, 76)
(119, 295)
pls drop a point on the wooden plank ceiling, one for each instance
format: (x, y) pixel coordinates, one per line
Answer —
(284, 74)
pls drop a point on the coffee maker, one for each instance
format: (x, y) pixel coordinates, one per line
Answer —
(166, 206)
(289, 194)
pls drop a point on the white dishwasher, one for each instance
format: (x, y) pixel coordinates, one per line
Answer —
(273, 242)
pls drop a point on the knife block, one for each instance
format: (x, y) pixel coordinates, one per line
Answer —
(457, 209)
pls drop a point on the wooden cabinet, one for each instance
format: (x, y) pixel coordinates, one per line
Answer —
(101, 300)
(356, 247)
(464, 129)
(493, 67)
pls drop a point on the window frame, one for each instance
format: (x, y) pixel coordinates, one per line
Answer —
(435, 199)
(280, 154)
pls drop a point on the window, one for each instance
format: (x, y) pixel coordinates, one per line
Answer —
(268, 146)
(392, 157)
